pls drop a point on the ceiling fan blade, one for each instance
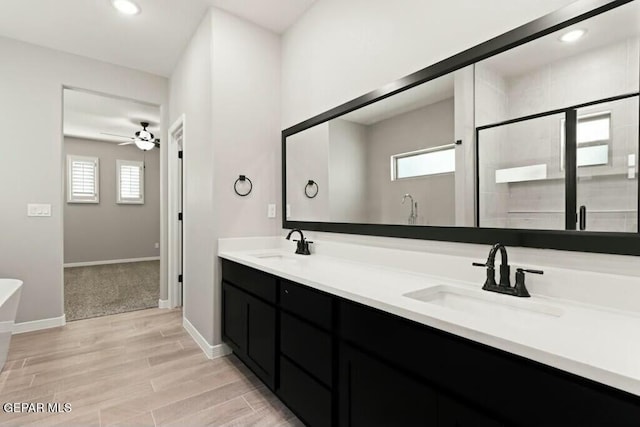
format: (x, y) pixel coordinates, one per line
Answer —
(126, 143)
(157, 142)
(113, 134)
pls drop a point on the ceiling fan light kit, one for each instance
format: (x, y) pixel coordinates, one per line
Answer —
(143, 144)
(144, 139)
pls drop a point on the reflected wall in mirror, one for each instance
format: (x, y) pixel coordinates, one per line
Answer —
(390, 162)
(548, 141)
(523, 98)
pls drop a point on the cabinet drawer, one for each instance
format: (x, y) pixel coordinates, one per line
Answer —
(307, 303)
(251, 280)
(308, 346)
(309, 400)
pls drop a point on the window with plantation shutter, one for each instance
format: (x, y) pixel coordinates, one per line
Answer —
(82, 179)
(130, 181)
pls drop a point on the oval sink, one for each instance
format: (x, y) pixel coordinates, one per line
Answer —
(277, 257)
(485, 304)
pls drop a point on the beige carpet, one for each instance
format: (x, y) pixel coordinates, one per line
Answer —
(100, 290)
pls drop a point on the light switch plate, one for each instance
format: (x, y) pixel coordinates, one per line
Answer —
(38, 209)
(271, 210)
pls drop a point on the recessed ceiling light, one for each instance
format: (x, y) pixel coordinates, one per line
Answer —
(573, 35)
(126, 6)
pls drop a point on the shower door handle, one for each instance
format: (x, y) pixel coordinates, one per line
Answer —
(582, 218)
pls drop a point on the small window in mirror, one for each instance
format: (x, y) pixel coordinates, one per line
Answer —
(430, 161)
(593, 134)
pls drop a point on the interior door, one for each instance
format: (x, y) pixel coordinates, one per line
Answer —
(607, 166)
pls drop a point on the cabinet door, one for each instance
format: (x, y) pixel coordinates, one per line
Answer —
(234, 317)
(261, 338)
(373, 393)
(455, 414)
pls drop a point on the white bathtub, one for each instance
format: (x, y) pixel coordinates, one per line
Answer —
(9, 298)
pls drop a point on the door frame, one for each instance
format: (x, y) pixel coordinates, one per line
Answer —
(176, 248)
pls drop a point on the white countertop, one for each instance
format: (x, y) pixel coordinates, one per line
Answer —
(590, 341)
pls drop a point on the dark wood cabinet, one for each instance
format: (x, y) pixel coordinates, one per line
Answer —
(310, 347)
(373, 393)
(455, 414)
(336, 362)
(310, 400)
(249, 327)
(234, 317)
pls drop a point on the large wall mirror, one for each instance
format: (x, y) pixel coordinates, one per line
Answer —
(531, 138)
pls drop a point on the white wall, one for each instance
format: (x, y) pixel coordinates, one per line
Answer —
(246, 133)
(341, 49)
(190, 94)
(227, 84)
(31, 82)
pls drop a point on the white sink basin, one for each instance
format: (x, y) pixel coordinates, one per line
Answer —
(486, 304)
(290, 259)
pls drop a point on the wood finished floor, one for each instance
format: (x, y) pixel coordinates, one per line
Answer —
(132, 369)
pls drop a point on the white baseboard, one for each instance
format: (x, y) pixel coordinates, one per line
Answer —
(36, 325)
(110, 261)
(211, 351)
(163, 303)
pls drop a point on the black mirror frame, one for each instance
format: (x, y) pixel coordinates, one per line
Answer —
(581, 241)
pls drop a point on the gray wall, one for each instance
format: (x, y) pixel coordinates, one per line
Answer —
(347, 171)
(107, 230)
(308, 158)
(31, 84)
(425, 127)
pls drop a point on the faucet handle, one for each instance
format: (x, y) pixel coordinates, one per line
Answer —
(479, 264)
(520, 288)
(528, 270)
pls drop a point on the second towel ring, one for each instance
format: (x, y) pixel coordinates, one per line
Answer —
(310, 193)
(242, 178)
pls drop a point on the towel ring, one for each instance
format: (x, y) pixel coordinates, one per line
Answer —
(242, 178)
(311, 184)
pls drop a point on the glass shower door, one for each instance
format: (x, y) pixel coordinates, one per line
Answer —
(607, 166)
(521, 181)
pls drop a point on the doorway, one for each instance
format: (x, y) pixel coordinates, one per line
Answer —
(112, 204)
(177, 217)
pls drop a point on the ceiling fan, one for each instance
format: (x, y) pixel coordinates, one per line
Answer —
(144, 139)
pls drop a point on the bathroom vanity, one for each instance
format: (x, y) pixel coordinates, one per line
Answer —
(350, 344)
(526, 139)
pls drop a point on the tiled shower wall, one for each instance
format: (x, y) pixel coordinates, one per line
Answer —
(610, 196)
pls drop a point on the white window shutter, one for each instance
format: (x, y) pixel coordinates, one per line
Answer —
(82, 179)
(130, 181)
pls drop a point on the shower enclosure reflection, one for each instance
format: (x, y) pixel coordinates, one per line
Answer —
(543, 136)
